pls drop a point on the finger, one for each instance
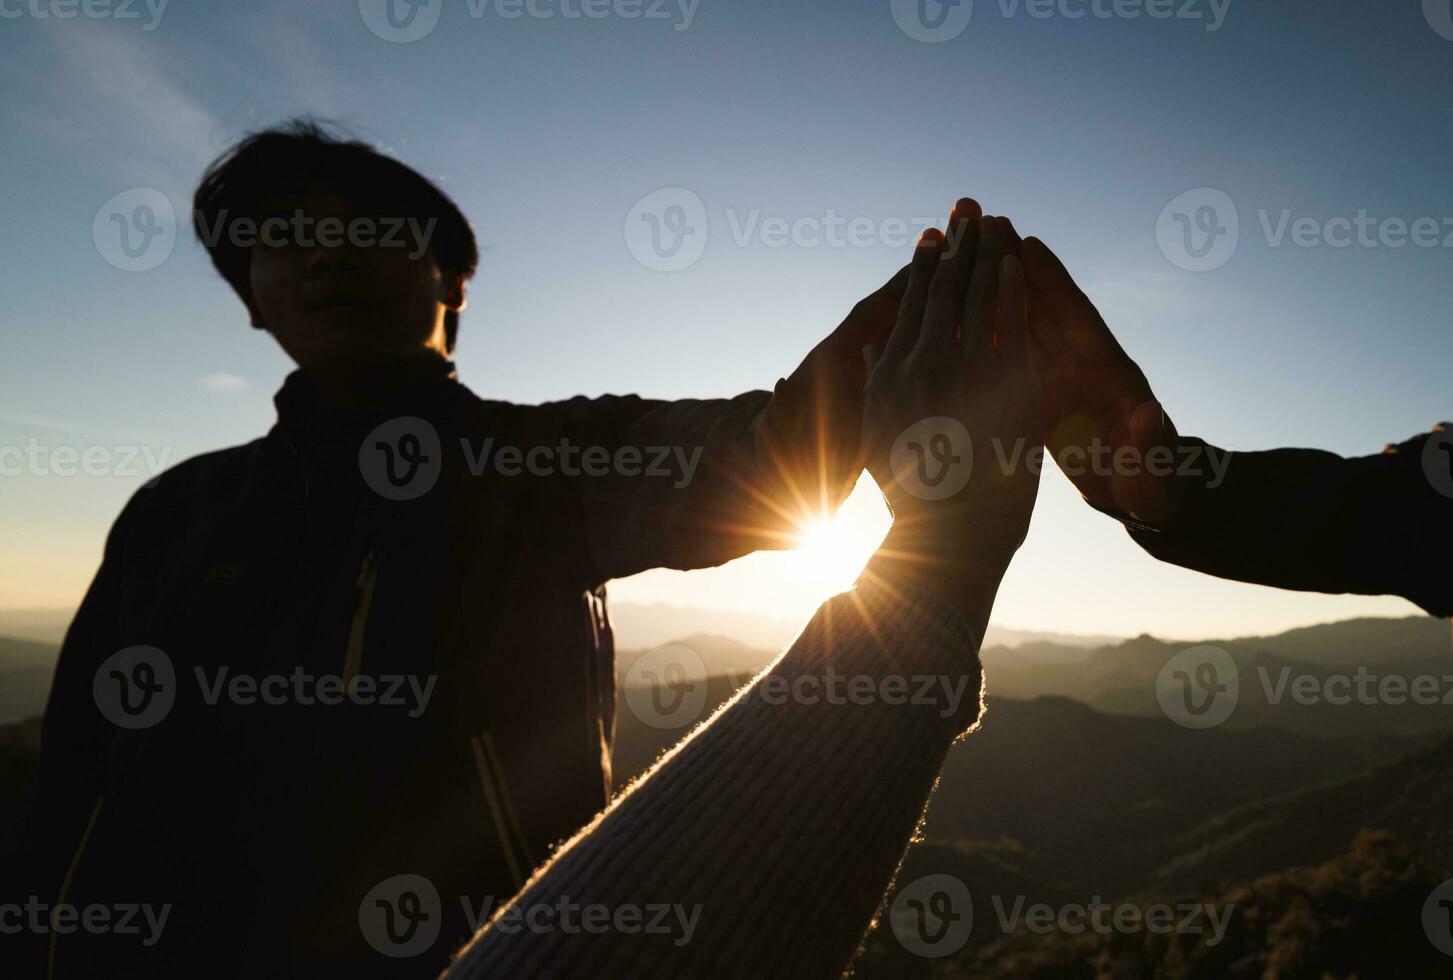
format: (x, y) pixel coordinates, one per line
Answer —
(965, 207)
(978, 312)
(1012, 241)
(945, 309)
(1011, 316)
(915, 296)
(871, 320)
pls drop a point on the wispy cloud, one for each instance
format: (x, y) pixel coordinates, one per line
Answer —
(222, 383)
(112, 93)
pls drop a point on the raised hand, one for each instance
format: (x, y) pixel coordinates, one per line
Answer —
(951, 398)
(1097, 400)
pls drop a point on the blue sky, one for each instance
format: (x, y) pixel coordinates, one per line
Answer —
(549, 129)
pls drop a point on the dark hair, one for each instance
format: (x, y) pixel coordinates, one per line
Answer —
(286, 158)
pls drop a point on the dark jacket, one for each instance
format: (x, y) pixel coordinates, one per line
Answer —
(1314, 521)
(264, 826)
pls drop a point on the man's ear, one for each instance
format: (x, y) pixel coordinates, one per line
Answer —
(452, 292)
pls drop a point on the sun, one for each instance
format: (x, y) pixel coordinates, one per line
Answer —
(832, 552)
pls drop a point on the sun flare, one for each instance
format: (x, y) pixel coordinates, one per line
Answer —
(833, 552)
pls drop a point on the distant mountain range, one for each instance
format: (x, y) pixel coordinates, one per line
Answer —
(25, 674)
(1323, 826)
(641, 627)
(1121, 678)
(39, 625)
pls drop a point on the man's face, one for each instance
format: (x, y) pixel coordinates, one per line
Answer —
(336, 285)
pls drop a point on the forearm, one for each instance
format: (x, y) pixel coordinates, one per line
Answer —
(692, 492)
(1313, 521)
(773, 831)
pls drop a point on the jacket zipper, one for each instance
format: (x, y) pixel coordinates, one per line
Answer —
(501, 807)
(66, 883)
(362, 604)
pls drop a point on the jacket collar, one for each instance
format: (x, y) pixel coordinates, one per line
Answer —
(312, 422)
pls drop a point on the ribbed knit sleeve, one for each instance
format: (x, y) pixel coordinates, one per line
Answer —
(764, 843)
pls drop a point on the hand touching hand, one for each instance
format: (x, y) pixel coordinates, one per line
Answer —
(1097, 401)
(953, 395)
(808, 436)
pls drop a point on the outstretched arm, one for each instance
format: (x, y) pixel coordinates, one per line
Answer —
(1293, 518)
(697, 482)
(764, 843)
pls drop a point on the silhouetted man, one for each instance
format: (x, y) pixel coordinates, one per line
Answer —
(374, 643)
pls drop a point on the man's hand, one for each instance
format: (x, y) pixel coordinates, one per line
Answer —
(1097, 400)
(953, 394)
(809, 434)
